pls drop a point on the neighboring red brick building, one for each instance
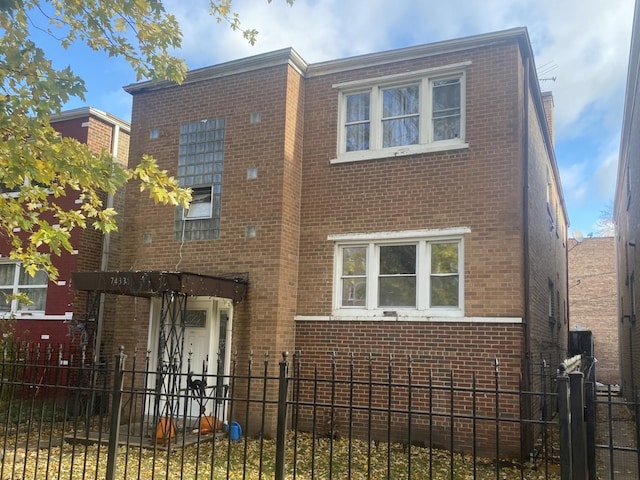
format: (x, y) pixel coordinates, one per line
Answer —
(44, 320)
(627, 220)
(399, 203)
(592, 301)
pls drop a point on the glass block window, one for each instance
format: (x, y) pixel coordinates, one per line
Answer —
(200, 165)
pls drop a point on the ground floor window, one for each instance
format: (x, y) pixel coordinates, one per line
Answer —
(16, 286)
(399, 272)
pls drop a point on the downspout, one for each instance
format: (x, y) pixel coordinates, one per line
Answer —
(106, 242)
(525, 230)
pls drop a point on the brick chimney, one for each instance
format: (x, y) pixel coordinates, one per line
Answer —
(547, 102)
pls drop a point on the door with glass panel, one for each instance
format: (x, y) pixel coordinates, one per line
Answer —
(204, 368)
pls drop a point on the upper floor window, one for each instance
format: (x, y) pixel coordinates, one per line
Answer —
(200, 163)
(201, 203)
(16, 189)
(405, 274)
(403, 114)
(551, 302)
(15, 280)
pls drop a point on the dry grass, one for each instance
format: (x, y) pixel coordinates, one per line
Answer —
(223, 459)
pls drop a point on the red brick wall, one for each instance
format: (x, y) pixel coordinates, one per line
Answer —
(593, 302)
(627, 219)
(438, 351)
(61, 298)
(476, 187)
(547, 234)
(73, 128)
(270, 203)
(481, 188)
(300, 198)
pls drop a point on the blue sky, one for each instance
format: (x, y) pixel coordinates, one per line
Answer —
(582, 44)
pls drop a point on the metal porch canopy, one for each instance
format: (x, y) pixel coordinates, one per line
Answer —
(154, 283)
(173, 289)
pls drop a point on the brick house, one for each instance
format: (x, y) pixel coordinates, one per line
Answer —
(399, 203)
(53, 302)
(627, 220)
(592, 301)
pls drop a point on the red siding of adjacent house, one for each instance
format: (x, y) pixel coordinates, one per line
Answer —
(97, 133)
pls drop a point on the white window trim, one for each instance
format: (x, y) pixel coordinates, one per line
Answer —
(415, 318)
(187, 213)
(26, 183)
(372, 241)
(375, 85)
(16, 286)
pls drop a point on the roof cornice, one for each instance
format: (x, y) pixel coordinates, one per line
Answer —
(288, 56)
(83, 112)
(285, 56)
(418, 51)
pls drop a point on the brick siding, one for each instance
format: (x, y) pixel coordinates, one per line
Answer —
(300, 198)
(592, 299)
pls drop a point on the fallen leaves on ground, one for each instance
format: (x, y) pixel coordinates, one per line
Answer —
(256, 458)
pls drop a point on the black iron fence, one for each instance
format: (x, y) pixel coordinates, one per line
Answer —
(352, 417)
(599, 429)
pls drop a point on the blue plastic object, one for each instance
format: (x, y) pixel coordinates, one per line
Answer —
(235, 431)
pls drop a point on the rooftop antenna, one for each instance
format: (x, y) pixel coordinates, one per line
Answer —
(546, 69)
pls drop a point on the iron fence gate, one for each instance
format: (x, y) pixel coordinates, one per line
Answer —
(599, 428)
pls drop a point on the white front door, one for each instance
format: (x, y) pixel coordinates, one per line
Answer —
(196, 362)
(206, 358)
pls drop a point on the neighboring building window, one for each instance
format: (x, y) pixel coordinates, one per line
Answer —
(4, 190)
(404, 274)
(632, 288)
(14, 280)
(628, 178)
(16, 189)
(392, 116)
(200, 164)
(551, 298)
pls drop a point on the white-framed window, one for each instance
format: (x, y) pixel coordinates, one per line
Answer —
(402, 114)
(552, 308)
(14, 280)
(201, 203)
(15, 190)
(400, 273)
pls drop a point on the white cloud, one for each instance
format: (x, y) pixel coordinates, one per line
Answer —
(118, 102)
(575, 181)
(604, 178)
(590, 45)
(586, 40)
(584, 43)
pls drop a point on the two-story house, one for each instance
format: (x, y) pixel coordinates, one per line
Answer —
(47, 318)
(398, 203)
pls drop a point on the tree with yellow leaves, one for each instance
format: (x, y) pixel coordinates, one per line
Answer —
(36, 164)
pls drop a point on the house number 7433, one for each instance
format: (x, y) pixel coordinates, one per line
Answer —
(119, 281)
